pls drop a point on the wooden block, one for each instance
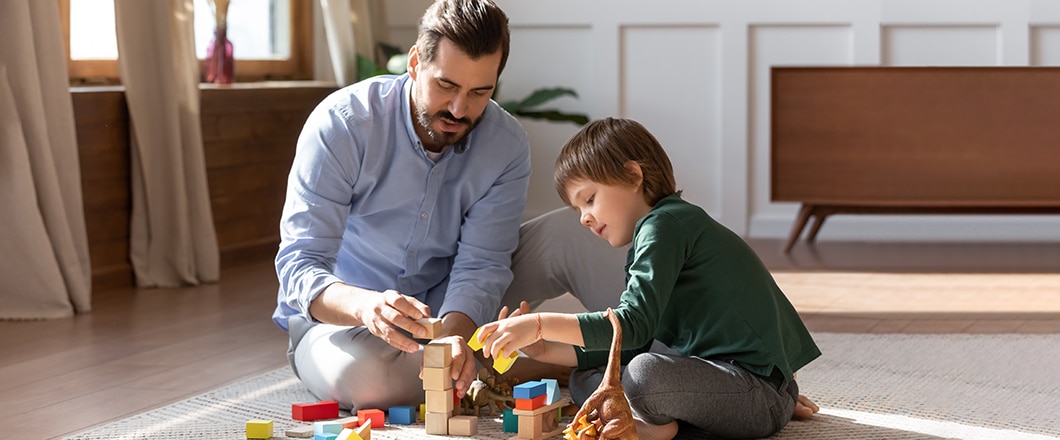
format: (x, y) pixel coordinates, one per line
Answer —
(437, 378)
(463, 425)
(433, 326)
(549, 420)
(552, 391)
(440, 401)
(555, 406)
(327, 427)
(436, 355)
(437, 423)
(531, 426)
(529, 390)
(347, 422)
(401, 415)
(301, 431)
(365, 430)
(511, 421)
(348, 434)
(259, 429)
(308, 412)
(474, 343)
(503, 364)
(530, 404)
(375, 416)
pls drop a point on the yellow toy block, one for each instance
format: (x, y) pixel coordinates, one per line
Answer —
(474, 342)
(348, 434)
(259, 429)
(502, 365)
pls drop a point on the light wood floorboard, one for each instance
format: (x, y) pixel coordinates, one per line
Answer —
(141, 349)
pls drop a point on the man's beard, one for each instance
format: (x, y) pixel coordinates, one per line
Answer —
(444, 138)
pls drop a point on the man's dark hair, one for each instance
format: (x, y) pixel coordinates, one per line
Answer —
(477, 27)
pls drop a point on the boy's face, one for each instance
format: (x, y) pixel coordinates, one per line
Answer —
(610, 211)
(450, 93)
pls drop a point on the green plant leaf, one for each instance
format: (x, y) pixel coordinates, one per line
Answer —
(541, 96)
(554, 115)
(366, 68)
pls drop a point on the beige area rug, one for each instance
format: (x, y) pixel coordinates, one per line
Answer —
(868, 386)
(854, 292)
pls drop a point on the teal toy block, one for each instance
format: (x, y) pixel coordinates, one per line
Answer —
(511, 421)
(552, 391)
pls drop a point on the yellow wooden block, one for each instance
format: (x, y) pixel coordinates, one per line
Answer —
(474, 342)
(348, 434)
(503, 364)
(365, 431)
(259, 429)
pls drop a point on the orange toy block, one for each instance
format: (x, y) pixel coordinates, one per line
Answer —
(531, 404)
(375, 416)
(463, 425)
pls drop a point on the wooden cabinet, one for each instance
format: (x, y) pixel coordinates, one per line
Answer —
(914, 140)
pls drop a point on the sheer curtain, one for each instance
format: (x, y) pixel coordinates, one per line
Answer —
(44, 262)
(352, 27)
(172, 237)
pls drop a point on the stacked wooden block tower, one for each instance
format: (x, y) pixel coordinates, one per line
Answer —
(440, 397)
(537, 404)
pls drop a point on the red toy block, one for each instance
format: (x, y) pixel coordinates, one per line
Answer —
(531, 404)
(375, 415)
(308, 412)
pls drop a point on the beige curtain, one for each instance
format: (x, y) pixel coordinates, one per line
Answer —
(352, 27)
(44, 264)
(172, 237)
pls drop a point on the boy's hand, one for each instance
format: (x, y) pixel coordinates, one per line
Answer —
(506, 336)
(533, 350)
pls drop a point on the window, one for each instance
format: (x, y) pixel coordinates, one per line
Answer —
(272, 39)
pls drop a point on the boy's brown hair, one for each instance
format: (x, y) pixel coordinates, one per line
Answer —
(479, 28)
(600, 151)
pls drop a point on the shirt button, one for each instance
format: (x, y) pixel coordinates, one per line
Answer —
(423, 215)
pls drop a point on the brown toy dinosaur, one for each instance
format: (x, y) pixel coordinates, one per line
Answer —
(486, 392)
(606, 413)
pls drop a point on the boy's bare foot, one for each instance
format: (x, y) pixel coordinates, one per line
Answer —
(804, 408)
(648, 431)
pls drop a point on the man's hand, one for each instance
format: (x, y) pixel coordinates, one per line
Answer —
(382, 313)
(463, 366)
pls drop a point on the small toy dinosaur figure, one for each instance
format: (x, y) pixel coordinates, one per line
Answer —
(485, 392)
(606, 413)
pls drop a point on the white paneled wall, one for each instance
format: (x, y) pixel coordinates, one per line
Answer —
(696, 73)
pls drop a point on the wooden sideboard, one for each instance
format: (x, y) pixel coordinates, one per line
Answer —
(910, 140)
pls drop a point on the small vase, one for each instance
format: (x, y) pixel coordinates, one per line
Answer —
(219, 62)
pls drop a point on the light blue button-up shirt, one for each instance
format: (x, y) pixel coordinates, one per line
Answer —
(366, 206)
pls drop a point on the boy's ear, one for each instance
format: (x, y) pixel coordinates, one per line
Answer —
(635, 173)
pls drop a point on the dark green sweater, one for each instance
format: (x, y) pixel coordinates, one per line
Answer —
(699, 288)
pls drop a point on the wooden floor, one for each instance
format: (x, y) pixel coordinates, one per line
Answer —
(138, 350)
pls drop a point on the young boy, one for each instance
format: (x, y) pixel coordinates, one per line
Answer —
(692, 284)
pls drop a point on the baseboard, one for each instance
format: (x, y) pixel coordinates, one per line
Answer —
(944, 228)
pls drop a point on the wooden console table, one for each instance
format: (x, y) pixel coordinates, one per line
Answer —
(913, 140)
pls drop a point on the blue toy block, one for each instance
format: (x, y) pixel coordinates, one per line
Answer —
(511, 421)
(529, 390)
(401, 415)
(325, 436)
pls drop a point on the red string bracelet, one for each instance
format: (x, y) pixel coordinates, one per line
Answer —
(538, 316)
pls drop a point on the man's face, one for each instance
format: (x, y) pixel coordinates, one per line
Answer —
(450, 93)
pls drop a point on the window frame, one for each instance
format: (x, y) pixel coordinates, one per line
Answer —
(299, 66)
